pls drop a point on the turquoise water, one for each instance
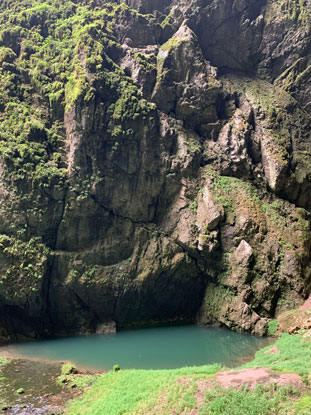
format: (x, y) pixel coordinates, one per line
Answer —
(152, 348)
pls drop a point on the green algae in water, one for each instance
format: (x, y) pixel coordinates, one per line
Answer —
(153, 348)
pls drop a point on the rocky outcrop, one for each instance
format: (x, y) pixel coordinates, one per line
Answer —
(189, 90)
(155, 164)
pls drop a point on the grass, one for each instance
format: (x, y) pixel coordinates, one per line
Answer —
(294, 356)
(303, 405)
(273, 327)
(132, 391)
(261, 401)
(178, 391)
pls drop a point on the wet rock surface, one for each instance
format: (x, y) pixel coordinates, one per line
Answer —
(29, 387)
(169, 179)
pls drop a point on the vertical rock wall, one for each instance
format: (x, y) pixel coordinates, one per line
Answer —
(155, 164)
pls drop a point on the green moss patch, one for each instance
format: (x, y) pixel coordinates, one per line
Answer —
(26, 266)
(236, 196)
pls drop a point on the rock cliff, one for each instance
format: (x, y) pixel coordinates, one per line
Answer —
(155, 161)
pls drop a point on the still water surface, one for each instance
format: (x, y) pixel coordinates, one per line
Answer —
(152, 348)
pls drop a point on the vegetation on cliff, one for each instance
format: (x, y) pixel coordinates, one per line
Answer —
(52, 55)
(155, 166)
(138, 164)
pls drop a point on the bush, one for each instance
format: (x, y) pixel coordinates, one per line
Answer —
(116, 368)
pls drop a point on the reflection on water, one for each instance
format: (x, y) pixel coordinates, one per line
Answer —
(153, 348)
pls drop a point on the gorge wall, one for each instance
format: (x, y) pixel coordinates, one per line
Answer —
(155, 161)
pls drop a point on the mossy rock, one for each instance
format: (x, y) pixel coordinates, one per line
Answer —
(68, 369)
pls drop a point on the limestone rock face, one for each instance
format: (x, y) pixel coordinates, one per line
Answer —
(155, 165)
(208, 214)
(243, 253)
(186, 83)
